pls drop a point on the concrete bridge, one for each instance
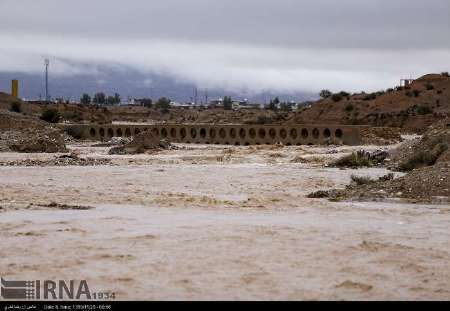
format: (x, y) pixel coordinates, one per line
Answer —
(234, 134)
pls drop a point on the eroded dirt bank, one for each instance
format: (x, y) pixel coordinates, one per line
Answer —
(212, 222)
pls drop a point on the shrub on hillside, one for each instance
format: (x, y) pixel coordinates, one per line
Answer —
(371, 96)
(349, 107)
(325, 93)
(74, 116)
(423, 158)
(50, 115)
(336, 97)
(423, 110)
(75, 132)
(16, 107)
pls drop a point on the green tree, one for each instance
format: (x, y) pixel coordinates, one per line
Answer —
(227, 103)
(163, 103)
(99, 98)
(110, 100)
(273, 105)
(286, 107)
(85, 99)
(147, 102)
(117, 98)
(113, 100)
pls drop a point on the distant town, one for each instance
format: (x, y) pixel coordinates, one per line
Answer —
(226, 102)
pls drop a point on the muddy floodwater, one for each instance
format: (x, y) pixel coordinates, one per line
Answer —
(217, 222)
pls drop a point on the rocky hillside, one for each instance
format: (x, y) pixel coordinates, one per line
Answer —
(432, 148)
(426, 162)
(26, 133)
(68, 112)
(412, 108)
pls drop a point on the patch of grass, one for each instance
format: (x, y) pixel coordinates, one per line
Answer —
(387, 177)
(361, 180)
(321, 194)
(354, 160)
(366, 180)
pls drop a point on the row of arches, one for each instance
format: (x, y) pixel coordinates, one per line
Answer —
(210, 133)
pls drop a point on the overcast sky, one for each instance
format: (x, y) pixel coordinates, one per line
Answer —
(280, 45)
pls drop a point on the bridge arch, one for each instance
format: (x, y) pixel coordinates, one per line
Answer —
(293, 133)
(92, 132)
(315, 133)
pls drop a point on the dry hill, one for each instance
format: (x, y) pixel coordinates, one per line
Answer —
(412, 108)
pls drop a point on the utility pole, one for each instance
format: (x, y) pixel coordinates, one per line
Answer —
(195, 95)
(47, 96)
(206, 97)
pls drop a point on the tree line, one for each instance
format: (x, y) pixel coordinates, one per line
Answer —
(100, 98)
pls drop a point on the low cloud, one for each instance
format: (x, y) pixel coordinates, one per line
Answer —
(232, 67)
(256, 45)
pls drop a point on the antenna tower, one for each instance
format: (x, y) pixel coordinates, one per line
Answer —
(47, 96)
